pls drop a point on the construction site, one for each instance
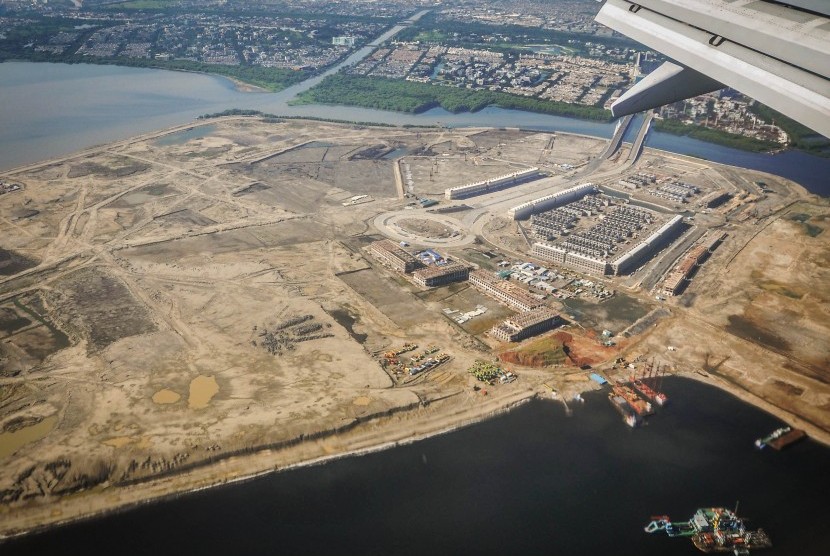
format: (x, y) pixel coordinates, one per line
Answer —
(245, 294)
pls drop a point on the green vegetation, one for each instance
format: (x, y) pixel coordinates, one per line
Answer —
(236, 112)
(714, 136)
(144, 5)
(542, 353)
(459, 33)
(801, 137)
(484, 371)
(414, 97)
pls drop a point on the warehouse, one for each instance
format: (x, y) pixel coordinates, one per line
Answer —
(648, 247)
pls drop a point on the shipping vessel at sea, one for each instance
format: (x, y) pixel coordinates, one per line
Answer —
(713, 530)
(780, 438)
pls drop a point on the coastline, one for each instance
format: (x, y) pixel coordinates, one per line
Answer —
(379, 433)
(816, 433)
(235, 469)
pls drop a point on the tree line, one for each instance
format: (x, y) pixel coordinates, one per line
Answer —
(415, 97)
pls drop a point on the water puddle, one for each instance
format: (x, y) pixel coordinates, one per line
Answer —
(166, 396)
(10, 442)
(118, 441)
(202, 390)
(347, 321)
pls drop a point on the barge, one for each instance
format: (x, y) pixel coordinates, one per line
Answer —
(713, 530)
(780, 438)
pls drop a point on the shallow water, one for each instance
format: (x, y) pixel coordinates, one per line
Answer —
(10, 442)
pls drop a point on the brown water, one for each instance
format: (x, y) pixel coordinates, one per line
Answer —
(202, 390)
(167, 396)
(10, 442)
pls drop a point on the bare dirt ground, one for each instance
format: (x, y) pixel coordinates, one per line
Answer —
(195, 306)
(766, 332)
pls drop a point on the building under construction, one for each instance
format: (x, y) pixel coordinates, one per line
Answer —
(503, 291)
(392, 255)
(493, 184)
(675, 282)
(527, 324)
(438, 275)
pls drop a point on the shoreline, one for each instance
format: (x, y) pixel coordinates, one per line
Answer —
(236, 469)
(813, 431)
(377, 434)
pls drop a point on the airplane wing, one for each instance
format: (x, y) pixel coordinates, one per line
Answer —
(775, 52)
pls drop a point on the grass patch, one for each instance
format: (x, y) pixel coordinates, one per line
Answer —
(543, 352)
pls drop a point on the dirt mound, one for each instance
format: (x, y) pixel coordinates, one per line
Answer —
(543, 352)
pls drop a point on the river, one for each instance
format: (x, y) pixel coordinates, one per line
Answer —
(529, 482)
(50, 110)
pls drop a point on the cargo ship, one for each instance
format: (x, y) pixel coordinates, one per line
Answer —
(629, 416)
(780, 438)
(638, 404)
(713, 530)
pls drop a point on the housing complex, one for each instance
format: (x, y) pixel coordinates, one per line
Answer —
(503, 291)
(526, 324)
(392, 255)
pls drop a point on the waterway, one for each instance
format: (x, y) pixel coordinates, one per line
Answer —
(529, 482)
(50, 110)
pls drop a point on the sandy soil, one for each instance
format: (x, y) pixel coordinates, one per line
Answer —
(196, 306)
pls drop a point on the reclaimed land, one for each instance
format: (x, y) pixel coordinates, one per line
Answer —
(253, 342)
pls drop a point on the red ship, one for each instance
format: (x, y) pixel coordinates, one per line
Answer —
(651, 392)
(638, 404)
